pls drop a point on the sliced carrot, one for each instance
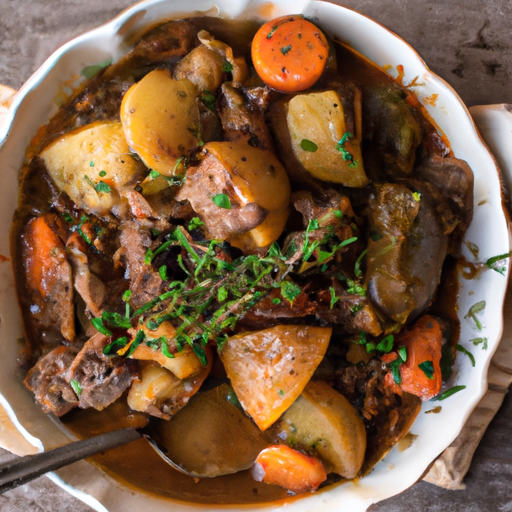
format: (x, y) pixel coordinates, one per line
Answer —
(289, 53)
(420, 374)
(288, 468)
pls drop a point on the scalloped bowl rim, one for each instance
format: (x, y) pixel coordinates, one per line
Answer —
(400, 469)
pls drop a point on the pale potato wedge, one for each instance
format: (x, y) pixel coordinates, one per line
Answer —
(316, 122)
(93, 166)
(269, 369)
(160, 118)
(325, 424)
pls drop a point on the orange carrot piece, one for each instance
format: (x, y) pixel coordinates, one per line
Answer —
(421, 372)
(288, 468)
(289, 53)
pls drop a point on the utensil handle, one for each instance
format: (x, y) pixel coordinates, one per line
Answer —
(25, 469)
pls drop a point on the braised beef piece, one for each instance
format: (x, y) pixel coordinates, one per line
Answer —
(46, 380)
(242, 120)
(454, 179)
(145, 282)
(387, 416)
(101, 379)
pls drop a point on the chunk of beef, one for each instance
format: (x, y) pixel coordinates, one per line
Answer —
(145, 283)
(102, 379)
(46, 380)
(454, 180)
(242, 121)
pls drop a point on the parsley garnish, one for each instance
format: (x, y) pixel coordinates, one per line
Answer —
(222, 201)
(496, 263)
(208, 100)
(479, 341)
(308, 145)
(473, 310)
(286, 49)
(227, 67)
(345, 153)
(447, 393)
(386, 344)
(76, 387)
(460, 348)
(427, 367)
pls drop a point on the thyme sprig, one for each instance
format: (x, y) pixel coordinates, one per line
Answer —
(216, 292)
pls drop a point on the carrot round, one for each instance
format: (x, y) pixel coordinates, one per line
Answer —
(420, 374)
(289, 53)
(288, 468)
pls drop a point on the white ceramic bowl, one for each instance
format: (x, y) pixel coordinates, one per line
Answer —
(34, 105)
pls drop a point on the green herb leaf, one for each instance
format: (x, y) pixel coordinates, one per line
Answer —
(100, 327)
(447, 393)
(492, 263)
(402, 354)
(289, 290)
(162, 271)
(153, 174)
(308, 145)
(76, 387)
(103, 173)
(227, 67)
(208, 100)
(416, 196)
(427, 367)
(479, 341)
(386, 344)
(276, 301)
(222, 201)
(116, 320)
(102, 187)
(148, 258)
(334, 298)
(271, 33)
(195, 223)
(112, 348)
(286, 49)
(395, 371)
(139, 338)
(460, 348)
(127, 295)
(357, 265)
(90, 71)
(473, 310)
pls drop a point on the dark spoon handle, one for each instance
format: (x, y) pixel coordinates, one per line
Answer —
(25, 469)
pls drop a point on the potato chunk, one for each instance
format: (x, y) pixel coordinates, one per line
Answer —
(93, 166)
(269, 369)
(161, 121)
(319, 139)
(325, 424)
(256, 185)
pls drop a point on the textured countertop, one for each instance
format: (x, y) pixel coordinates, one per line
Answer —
(466, 42)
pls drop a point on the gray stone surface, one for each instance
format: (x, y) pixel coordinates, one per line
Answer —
(466, 42)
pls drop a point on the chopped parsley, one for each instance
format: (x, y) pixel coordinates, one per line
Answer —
(308, 145)
(496, 263)
(473, 310)
(460, 348)
(285, 49)
(427, 367)
(222, 201)
(447, 393)
(76, 387)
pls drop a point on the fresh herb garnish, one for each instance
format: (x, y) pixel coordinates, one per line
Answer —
(496, 263)
(208, 100)
(308, 145)
(222, 201)
(285, 49)
(427, 367)
(100, 327)
(227, 67)
(386, 344)
(447, 393)
(473, 310)
(345, 153)
(460, 348)
(76, 387)
(479, 341)
(153, 174)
